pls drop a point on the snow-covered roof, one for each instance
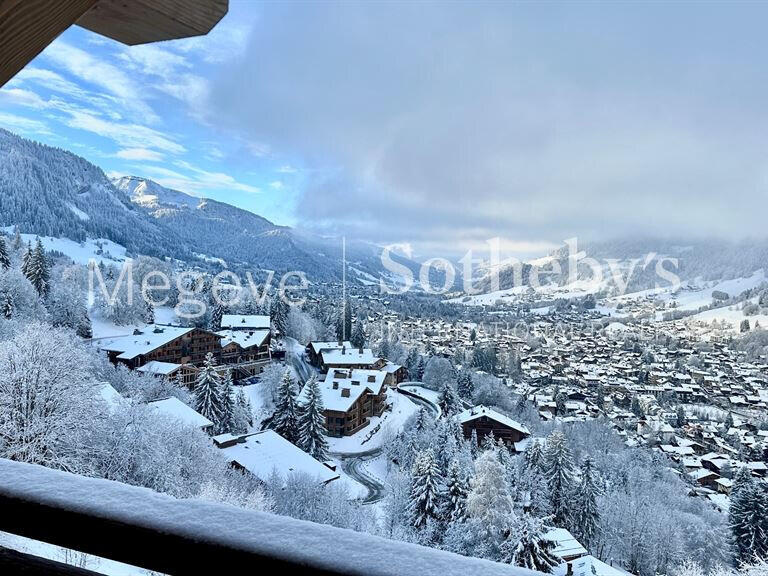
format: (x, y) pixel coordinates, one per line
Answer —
(111, 396)
(244, 338)
(147, 340)
(244, 322)
(342, 387)
(266, 452)
(479, 411)
(318, 347)
(159, 368)
(566, 545)
(175, 408)
(589, 566)
(348, 357)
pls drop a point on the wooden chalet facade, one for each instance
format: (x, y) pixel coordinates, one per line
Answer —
(484, 421)
(161, 343)
(351, 398)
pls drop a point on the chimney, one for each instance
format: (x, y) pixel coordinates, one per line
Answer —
(569, 569)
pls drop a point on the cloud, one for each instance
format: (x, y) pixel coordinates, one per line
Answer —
(198, 182)
(124, 134)
(102, 74)
(24, 125)
(139, 154)
(447, 124)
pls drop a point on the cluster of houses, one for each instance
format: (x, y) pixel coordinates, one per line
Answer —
(242, 346)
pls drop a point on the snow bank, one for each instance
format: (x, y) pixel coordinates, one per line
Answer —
(304, 543)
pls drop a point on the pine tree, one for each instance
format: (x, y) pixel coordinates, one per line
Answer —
(425, 491)
(636, 408)
(279, 315)
(420, 367)
(5, 261)
(208, 397)
(534, 456)
(526, 546)
(411, 362)
(26, 259)
(311, 422)
(464, 385)
(681, 418)
(560, 400)
(489, 442)
(586, 518)
(286, 411)
(216, 316)
(559, 471)
(84, 328)
(243, 414)
(8, 306)
(149, 312)
(37, 272)
(344, 321)
(227, 420)
(748, 517)
(449, 402)
(456, 491)
(358, 335)
(489, 500)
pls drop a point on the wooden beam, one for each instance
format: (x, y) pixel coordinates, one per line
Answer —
(141, 21)
(28, 26)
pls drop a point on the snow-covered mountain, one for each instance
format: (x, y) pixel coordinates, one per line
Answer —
(54, 193)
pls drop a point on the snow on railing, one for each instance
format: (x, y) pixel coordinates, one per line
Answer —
(140, 527)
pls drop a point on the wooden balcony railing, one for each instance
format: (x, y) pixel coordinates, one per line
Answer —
(142, 528)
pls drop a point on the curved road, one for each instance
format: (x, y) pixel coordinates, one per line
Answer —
(352, 464)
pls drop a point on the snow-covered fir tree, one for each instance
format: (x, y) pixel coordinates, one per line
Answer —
(344, 321)
(449, 401)
(227, 419)
(456, 492)
(425, 490)
(586, 516)
(464, 385)
(526, 547)
(358, 334)
(208, 392)
(5, 260)
(489, 500)
(559, 471)
(242, 416)
(311, 422)
(37, 270)
(26, 259)
(286, 410)
(278, 313)
(748, 517)
(216, 314)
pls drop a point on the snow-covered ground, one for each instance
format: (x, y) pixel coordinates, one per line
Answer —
(98, 249)
(104, 329)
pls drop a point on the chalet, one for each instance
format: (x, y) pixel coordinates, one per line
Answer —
(485, 420)
(347, 359)
(351, 398)
(265, 453)
(315, 349)
(248, 350)
(395, 373)
(183, 374)
(163, 343)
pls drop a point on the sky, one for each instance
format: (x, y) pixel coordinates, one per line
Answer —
(435, 126)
